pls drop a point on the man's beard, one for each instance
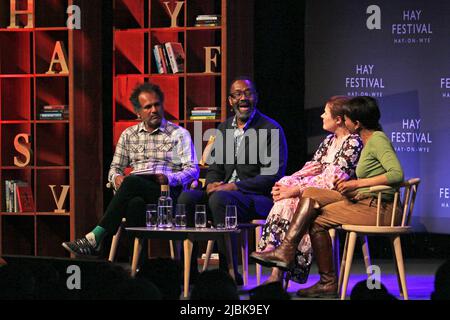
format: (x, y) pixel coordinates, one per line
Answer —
(243, 116)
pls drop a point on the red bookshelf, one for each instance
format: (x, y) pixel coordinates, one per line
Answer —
(138, 27)
(25, 88)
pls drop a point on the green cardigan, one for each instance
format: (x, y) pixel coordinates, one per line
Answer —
(378, 157)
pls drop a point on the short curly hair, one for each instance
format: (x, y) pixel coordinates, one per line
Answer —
(145, 87)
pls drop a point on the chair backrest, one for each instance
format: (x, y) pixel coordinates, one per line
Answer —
(409, 198)
(407, 192)
(207, 150)
(201, 182)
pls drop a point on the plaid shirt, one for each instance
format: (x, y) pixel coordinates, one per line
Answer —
(168, 150)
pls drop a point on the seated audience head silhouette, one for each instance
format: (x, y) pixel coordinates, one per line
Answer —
(136, 289)
(270, 291)
(361, 291)
(442, 283)
(165, 274)
(16, 283)
(214, 285)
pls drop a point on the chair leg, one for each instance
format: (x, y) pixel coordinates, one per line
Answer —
(348, 263)
(172, 249)
(244, 253)
(258, 234)
(209, 249)
(187, 246)
(366, 253)
(229, 255)
(400, 265)
(114, 245)
(136, 255)
(335, 245)
(399, 281)
(344, 259)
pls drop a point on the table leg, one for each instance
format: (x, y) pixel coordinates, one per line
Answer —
(136, 255)
(229, 255)
(187, 244)
(244, 253)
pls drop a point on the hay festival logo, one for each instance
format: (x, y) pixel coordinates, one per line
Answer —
(411, 137)
(364, 82)
(445, 87)
(444, 197)
(413, 29)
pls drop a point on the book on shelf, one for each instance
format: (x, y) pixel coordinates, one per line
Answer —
(208, 20)
(10, 195)
(165, 59)
(204, 108)
(207, 24)
(25, 198)
(158, 59)
(203, 113)
(7, 196)
(176, 56)
(51, 107)
(53, 116)
(202, 117)
(203, 17)
(169, 57)
(18, 196)
(54, 112)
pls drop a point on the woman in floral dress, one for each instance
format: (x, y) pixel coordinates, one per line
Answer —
(336, 157)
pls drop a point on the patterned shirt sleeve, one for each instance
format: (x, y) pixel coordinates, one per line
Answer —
(121, 158)
(184, 154)
(347, 158)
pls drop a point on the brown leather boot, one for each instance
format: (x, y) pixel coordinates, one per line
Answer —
(327, 285)
(283, 256)
(277, 275)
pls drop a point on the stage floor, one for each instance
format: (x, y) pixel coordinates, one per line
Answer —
(419, 278)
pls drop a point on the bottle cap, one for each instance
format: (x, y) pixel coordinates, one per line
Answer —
(164, 187)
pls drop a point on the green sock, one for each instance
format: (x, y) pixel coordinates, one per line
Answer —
(99, 233)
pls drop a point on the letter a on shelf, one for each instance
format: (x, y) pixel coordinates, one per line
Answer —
(59, 202)
(23, 148)
(59, 56)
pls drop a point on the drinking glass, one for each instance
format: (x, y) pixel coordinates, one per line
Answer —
(180, 216)
(230, 217)
(151, 215)
(200, 216)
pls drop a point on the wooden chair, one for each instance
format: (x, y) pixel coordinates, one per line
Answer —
(335, 243)
(393, 231)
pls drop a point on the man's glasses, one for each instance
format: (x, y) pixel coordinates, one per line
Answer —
(237, 94)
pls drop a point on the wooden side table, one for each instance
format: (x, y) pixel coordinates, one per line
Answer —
(188, 236)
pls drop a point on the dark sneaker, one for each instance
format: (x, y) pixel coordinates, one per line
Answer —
(81, 247)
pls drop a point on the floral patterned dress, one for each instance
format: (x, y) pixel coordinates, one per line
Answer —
(337, 161)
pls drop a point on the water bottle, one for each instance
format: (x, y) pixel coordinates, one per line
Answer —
(165, 208)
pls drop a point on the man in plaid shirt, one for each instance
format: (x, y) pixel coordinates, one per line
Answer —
(159, 152)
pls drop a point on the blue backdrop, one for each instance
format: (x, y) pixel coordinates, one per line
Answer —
(398, 52)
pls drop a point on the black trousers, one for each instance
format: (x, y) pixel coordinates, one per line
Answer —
(249, 207)
(130, 200)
